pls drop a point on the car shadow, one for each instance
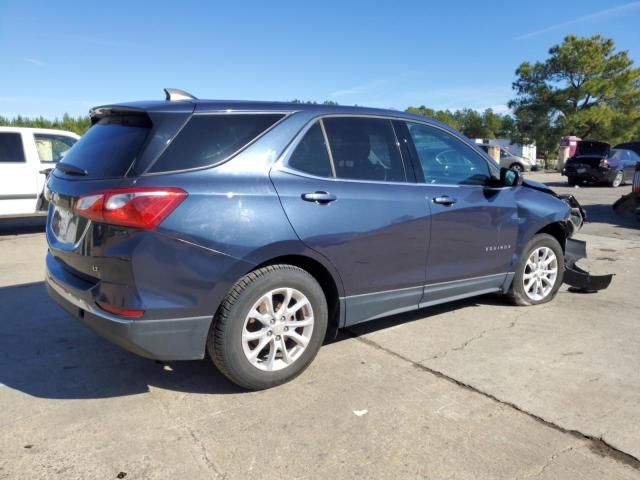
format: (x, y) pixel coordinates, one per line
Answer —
(416, 315)
(47, 354)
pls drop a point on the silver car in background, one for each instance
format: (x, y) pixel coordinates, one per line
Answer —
(509, 160)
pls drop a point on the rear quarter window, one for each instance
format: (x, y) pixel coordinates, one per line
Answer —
(207, 140)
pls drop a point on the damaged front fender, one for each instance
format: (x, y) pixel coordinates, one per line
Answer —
(575, 276)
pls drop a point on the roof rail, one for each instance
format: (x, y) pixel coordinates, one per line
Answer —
(173, 94)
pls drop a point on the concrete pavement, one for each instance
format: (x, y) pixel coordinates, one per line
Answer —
(476, 389)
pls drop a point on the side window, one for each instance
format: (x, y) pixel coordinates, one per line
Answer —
(11, 150)
(311, 155)
(210, 139)
(364, 149)
(445, 159)
(51, 148)
(631, 158)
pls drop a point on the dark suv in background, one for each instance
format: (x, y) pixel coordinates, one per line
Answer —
(244, 228)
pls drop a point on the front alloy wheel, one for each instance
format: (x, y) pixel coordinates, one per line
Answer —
(540, 273)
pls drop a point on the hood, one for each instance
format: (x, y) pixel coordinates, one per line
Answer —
(592, 148)
(541, 187)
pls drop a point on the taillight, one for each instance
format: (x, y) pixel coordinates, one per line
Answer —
(604, 163)
(143, 207)
(123, 312)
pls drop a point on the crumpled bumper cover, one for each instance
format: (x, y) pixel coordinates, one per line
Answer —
(575, 276)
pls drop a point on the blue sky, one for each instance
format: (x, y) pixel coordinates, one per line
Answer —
(65, 56)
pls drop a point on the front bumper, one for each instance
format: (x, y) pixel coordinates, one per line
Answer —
(576, 277)
(166, 339)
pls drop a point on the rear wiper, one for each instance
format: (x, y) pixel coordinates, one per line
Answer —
(71, 170)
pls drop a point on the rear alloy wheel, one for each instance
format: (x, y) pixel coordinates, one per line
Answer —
(269, 327)
(277, 329)
(617, 180)
(517, 167)
(539, 272)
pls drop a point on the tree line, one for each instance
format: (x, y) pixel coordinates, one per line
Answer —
(585, 87)
(78, 124)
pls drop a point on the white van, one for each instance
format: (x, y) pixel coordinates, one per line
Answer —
(26, 156)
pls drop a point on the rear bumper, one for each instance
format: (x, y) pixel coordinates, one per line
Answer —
(591, 175)
(166, 339)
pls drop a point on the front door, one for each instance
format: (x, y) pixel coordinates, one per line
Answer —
(473, 227)
(352, 204)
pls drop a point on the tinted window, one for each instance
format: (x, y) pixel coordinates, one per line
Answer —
(311, 155)
(11, 150)
(364, 149)
(51, 148)
(210, 139)
(445, 159)
(109, 147)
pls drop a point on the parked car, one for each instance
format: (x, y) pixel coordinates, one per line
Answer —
(597, 162)
(246, 228)
(25, 156)
(509, 160)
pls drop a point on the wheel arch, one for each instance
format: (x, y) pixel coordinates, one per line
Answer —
(557, 230)
(329, 283)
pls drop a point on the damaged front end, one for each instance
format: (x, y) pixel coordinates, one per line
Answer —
(575, 250)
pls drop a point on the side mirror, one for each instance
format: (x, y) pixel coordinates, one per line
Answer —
(510, 178)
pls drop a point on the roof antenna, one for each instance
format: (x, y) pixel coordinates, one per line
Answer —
(173, 94)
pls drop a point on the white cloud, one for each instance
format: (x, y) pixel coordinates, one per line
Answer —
(609, 12)
(34, 61)
(372, 87)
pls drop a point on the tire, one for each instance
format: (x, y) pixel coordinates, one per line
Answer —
(518, 294)
(233, 325)
(571, 181)
(617, 180)
(517, 167)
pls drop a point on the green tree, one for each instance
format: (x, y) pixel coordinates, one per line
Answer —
(585, 88)
(78, 125)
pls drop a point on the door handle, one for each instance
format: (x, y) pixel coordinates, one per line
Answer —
(319, 197)
(444, 200)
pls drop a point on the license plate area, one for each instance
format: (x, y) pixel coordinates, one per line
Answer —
(66, 226)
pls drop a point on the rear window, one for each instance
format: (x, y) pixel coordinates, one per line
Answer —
(109, 147)
(209, 139)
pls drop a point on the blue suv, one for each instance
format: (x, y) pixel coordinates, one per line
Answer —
(246, 229)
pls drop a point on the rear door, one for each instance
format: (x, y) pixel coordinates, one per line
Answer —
(344, 188)
(473, 227)
(18, 176)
